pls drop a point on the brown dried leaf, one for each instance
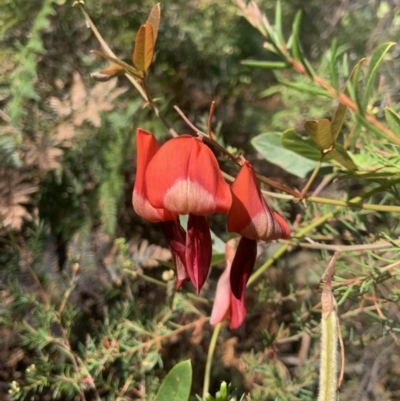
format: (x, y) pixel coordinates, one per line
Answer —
(148, 255)
(65, 134)
(61, 107)
(14, 193)
(44, 152)
(85, 104)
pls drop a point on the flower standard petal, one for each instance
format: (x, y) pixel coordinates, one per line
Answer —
(249, 215)
(147, 147)
(184, 177)
(198, 250)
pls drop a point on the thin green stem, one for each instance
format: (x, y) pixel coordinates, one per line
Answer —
(312, 178)
(343, 248)
(210, 355)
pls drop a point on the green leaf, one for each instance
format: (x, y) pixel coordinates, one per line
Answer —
(393, 120)
(320, 132)
(374, 64)
(278, 20)
(340, 155)
(333, 65)
(303, 147)
(345, 65)
(176, 385)
(340, 112)
(271, 65)
(305, 88)
(293, 42)
(269, 145)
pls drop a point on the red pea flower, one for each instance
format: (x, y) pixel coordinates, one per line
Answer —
(181, 177)
(147, 146)
(226, 304)
(249, 215)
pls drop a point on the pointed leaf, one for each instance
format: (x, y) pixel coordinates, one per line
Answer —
(122, 64)
(393, 120)
(333, 65)
(108, 73)
(144, 48)
(340, 112)
(304, 147)
(342, 157)
(305, 88)
(374, 64)
(278, 20)
(176, 385)
(293, 42)
(270, 147)
(320, 132)
(154, 20)
(271, 65)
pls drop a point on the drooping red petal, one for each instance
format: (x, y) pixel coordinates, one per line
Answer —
(238, 311)
(198, 250)
(176, 237)
(147, 147)
(242, 266)
(249, 215)
(185, 178)
(225, 303)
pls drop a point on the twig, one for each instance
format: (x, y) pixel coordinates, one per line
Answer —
(210, 118)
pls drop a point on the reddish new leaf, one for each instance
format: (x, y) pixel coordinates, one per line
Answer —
(144, 48)
(154, 20)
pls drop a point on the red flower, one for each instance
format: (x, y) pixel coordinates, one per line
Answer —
(249, 215)
(226, 304)
(147, 146)
(184, 177)
(181, 177)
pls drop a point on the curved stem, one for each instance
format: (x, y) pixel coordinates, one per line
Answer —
(210, 355)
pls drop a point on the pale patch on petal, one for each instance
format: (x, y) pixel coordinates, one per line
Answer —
(186, 197)
(263, 226)
(144, 209)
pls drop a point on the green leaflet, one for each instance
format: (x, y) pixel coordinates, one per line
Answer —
(269, 145)
(176, 385)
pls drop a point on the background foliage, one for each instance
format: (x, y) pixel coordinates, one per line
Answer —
(84, 281)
